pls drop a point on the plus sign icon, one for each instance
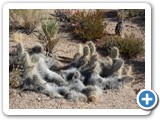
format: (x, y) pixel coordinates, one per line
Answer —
(147, 99)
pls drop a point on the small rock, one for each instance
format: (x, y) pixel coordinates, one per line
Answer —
(38, 99)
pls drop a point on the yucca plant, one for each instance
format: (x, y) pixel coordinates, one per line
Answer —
(50, 28)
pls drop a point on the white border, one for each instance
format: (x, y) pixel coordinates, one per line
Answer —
(8, 6)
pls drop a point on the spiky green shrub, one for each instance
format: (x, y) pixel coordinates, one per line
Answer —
(88, 25)
(27, 19)
(129, 46)
(50, 28)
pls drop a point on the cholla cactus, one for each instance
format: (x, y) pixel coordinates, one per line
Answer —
(92, 92)
(126, 79)
(86, 51)
(20, 49)
(106, 66)
(92, 48)
(114, 53)
(16, 59)
(82, 81)
(94, 64)
(79, 52)
(117, 65)
(81, 60)
(80, 49)
(76, 84)
(93, 59)
(35, 58)
(109, 61)
(113, 66)
(129, 71)
(76, 96)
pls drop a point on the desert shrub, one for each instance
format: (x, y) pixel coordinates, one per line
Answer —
(88, 25)
(128, 13)
(138, 16)
(122, 14)
(24, 19)
(129, 46)
(136, 12)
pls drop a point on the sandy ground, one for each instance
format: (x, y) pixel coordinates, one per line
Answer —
(124, 98)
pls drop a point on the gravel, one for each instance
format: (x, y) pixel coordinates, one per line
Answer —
(122, 99)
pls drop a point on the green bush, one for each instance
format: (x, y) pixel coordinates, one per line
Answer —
(24, 19)
(50, 28)
(129, 46)
(88, 25)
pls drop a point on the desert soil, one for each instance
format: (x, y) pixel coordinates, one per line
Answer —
(125, 98)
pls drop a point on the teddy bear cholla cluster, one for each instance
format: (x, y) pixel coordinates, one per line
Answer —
(84, 79)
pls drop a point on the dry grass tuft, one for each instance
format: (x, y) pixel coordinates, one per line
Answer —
(18, 37)
(26, 20)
